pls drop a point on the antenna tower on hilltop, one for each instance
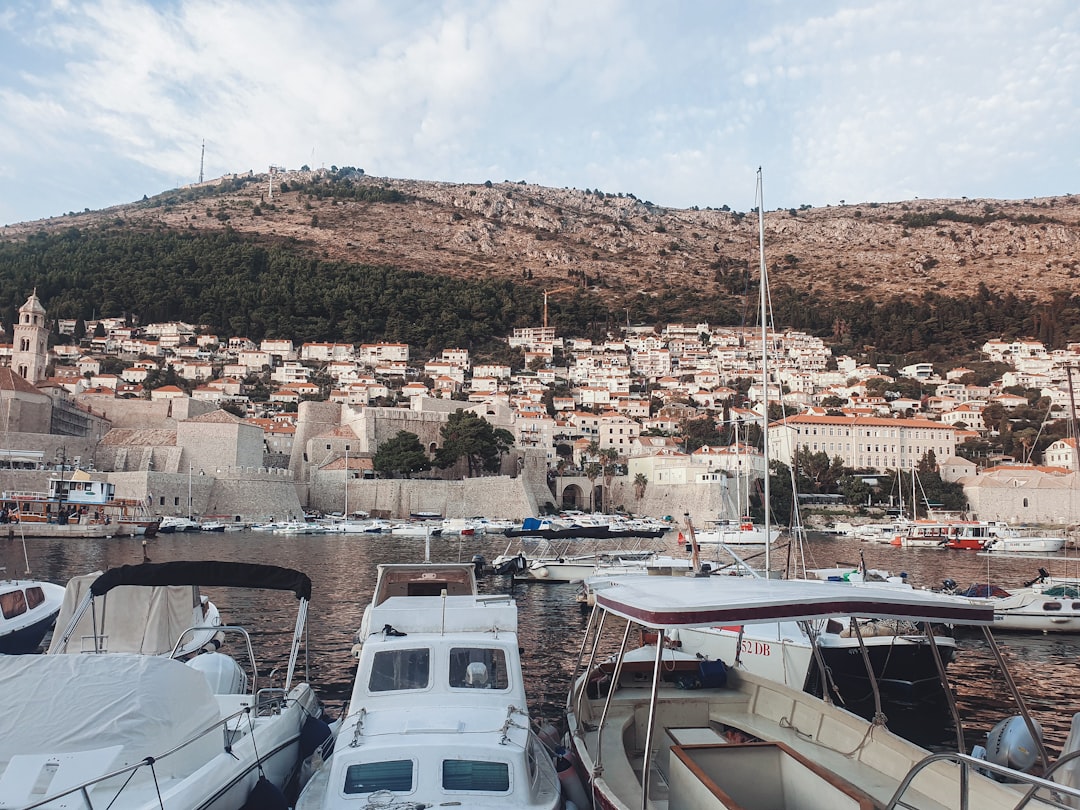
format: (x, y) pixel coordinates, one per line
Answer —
(202, 160)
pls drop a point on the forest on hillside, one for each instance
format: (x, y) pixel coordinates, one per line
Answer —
(237, 285)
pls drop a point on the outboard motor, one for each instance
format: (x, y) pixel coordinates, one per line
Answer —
(479, 564)
(948, 586)
(1011, 745)
(222, 672)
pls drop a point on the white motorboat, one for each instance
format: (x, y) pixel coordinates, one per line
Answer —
(728, 532)
(132, 730)
(175, 523)
(419, 528)
(28, 608)
(438, 714)
(903, 664)
(1042, 605)
(659, 727)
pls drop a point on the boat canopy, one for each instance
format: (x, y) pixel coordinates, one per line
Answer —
(684, 602)
(208, 573)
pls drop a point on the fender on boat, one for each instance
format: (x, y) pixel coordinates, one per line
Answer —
(265, 796)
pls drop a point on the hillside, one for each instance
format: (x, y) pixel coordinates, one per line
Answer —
(625, 251)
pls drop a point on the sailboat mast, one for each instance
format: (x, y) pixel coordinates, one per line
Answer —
(763, 294)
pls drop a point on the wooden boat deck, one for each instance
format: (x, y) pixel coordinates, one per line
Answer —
(874, 761)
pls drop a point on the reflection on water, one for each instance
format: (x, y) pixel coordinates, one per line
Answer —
(342, 569)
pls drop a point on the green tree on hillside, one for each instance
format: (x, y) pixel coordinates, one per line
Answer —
(470, 436)
(401, 455)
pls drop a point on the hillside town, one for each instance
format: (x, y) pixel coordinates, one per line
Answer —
(192, 422)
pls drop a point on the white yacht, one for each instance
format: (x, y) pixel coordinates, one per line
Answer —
(658, 727)
(126, 727)
(438, 714)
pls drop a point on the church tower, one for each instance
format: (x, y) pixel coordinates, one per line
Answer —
(30, 341)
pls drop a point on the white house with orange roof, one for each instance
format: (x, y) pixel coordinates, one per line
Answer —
(456, 357)
(343, 371)
(414, 389)
(1009, 400)
(167, 392)
(191, 370)
(285, 395)
(377, 354)
(968, 413)
(305, 389)
(290, 373)
(326, 352)
(208, 394)
(862, 442)
(135, 374)
(88, 365)
(592, 396)
(254, 360)
(617, 431)
(280, 349)
(738, 459)
(1062, 453)
(499, 371)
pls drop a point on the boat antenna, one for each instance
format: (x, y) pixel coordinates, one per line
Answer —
(764, 286)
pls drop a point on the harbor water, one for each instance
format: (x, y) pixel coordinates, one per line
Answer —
(342, 569)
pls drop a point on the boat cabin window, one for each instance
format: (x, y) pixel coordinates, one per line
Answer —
(393, 670)
(475, 775)
(477, 668)
(367, 777)
(13, 603)
(34, 597)
(1051, 605)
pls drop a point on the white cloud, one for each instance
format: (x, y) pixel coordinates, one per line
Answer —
(679, 104)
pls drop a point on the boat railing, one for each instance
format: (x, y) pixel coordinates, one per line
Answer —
(1056, 794)
(229, 726)
(223, 629)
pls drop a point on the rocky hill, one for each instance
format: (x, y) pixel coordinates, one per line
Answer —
(555, 238)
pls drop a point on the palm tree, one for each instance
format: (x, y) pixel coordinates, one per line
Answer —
(592, 472)
(640, 482)
(609, 461)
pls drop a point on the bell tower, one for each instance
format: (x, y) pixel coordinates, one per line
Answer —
(30, 341)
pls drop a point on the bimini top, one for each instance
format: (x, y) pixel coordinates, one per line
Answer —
(706, 601)
(210, 573)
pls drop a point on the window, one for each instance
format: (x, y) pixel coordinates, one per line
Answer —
(13, 603)
(393, 670)
(471, 774)
(477, 668)
(367, 777)
(34, 597)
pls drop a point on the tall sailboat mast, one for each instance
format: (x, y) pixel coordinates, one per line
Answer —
(763, 295)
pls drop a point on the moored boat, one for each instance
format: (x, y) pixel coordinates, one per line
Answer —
(28, 608)
(142, 730)
(437, 715)
(657, 726)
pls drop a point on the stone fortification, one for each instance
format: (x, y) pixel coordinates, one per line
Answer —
(1024, 495)
(247, 494)
(497, 496)
(219, 438)
(54, 448)
(312, 419)
(144, 413)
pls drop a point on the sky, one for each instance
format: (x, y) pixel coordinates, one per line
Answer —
(678, 102)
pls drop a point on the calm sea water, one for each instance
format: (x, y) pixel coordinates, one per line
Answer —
(342, 569)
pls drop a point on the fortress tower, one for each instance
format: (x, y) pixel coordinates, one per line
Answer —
(30, 341)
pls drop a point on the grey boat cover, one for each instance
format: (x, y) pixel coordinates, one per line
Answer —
(69, 703)
(129, 618)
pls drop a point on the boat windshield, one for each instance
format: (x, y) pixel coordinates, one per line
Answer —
(396, 670)
(368, 777)
(13, 603)
(478, 668)
(475, 775)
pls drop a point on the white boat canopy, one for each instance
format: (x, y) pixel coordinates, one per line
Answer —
(705, 601)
